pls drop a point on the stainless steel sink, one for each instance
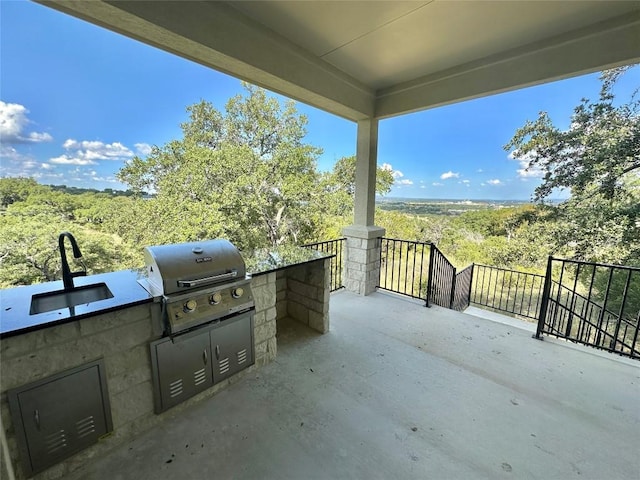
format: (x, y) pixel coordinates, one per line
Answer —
(46, 302)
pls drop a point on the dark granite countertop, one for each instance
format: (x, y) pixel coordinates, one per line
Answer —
(126, 289)
(15, 302)
(265, 260)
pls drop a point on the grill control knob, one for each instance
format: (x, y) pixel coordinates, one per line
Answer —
(215, 299)
(190, 306)
(237, 292)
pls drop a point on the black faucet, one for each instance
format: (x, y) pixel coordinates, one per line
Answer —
(67, 275)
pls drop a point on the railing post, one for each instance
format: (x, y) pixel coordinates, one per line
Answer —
(622, 305)
(473, 267)
(546, 293)
(430, 279)
(453, 289)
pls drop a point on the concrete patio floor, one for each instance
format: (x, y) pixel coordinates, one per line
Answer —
(399, 391)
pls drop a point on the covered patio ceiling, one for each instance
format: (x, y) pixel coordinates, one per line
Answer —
(376, 59)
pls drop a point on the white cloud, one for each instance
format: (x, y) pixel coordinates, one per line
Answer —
(395, 173)
(36, 137)
(526, 170)
(495, 181)
(479, 170)
(9, 153)
(15, 164)
(449, 174)
(466, 182)
(96, 150)
(143, 148)
(67, 160)
(30, 165)
(95, 178)
(13, 123)
(405, 182)
(437, 184)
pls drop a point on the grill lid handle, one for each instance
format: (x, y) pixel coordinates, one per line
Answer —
(214, 278)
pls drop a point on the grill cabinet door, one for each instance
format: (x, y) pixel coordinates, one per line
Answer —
(61, 415)
(183, 367)
(232, 345)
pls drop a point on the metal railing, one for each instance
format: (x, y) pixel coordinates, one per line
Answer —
(404, 267)
(336, 248)
(593, 304)
(509, 291)
(462, 288)
(442, 276)
(590, 303)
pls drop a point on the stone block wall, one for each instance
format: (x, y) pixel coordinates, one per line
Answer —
(281, 294)
(122, 338)
(264, 294)
(362, 264)
(307, 294)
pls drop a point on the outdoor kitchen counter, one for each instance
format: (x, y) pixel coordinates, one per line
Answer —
(265, 261)
(127, 292)
(15, 302)
(291, 282)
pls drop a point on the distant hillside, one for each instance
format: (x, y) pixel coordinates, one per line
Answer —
(430, 206)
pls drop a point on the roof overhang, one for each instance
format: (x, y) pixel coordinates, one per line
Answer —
(381, 59)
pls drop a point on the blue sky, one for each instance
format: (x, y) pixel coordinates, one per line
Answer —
(78, 101)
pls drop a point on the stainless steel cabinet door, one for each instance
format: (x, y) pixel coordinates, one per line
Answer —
(232, 346)
(60, 415)
(183, 368)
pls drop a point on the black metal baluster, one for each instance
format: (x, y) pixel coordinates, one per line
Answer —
(622, 305)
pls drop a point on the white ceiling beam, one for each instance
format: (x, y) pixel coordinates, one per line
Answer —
(600, 46)
(218, 36)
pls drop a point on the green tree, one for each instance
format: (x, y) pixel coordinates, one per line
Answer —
(244, 174)
(29, 248)
(16, 189)
(34, 216)
(343, 177)
(337, 190)
(598, 159)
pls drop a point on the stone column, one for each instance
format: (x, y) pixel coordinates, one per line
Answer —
(366, 165)
(362, 258)
(362, 265)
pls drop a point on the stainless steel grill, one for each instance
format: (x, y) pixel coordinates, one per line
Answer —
(199, 282)
(208, 311)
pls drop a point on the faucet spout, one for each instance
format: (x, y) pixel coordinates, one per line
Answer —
(67, 274)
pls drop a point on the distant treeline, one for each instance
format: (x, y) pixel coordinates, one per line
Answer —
(108, 191)
(442, 207)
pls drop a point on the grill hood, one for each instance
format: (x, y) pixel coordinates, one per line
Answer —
(176, 268)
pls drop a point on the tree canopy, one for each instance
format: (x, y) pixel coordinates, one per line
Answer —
(244, 174)
(598, 159)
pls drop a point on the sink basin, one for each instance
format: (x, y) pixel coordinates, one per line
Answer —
(46, 302)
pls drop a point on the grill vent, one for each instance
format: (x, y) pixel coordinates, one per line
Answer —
(175, 388)
(200, 376)
(55, 441)
(242, 356)
(86, 426)
(224, 365)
